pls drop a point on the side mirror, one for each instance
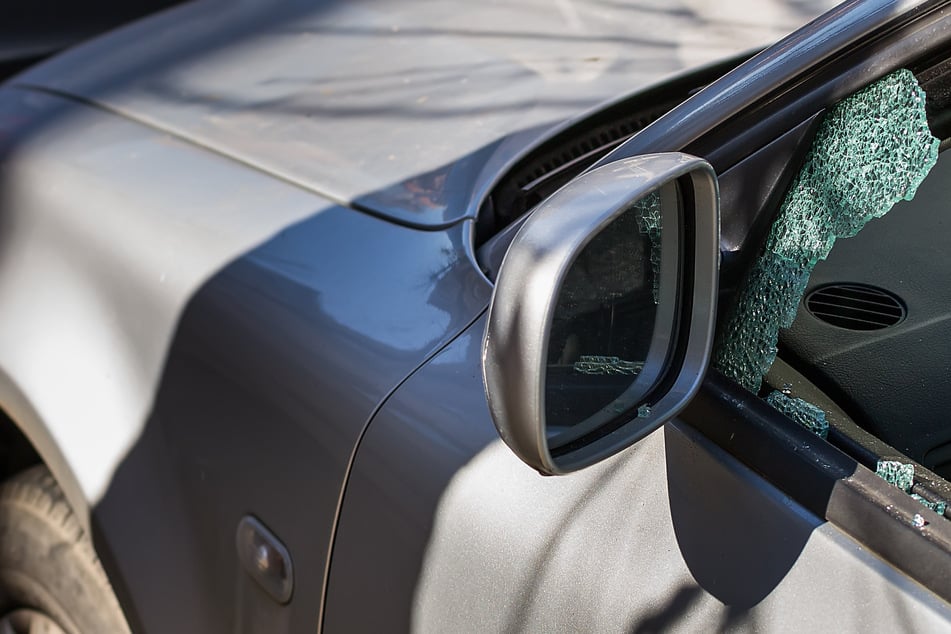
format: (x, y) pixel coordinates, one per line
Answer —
(601, 321)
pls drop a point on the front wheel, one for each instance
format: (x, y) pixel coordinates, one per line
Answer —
(50, 578)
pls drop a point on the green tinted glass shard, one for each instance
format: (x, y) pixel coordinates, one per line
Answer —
(937, 507)
(804, 413)
(649, 223)
(900, 474)
(872, 150)
(596, 364)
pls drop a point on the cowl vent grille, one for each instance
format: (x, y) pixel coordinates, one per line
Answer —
(856, 306)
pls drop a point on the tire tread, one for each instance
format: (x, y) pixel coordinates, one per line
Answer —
(35, 493)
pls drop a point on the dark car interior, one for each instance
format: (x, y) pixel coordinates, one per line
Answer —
(874, 328)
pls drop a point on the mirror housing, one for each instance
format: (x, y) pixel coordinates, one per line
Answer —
(547, 278)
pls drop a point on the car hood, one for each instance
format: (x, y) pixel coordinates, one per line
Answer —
(406, 109)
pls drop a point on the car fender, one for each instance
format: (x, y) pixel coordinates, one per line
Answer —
(108, 227)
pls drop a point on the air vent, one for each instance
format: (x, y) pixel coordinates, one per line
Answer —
(856, 306)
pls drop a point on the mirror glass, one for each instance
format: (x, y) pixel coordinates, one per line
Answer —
(610, 337)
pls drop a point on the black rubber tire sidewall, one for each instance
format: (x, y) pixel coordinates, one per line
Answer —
(47, 562)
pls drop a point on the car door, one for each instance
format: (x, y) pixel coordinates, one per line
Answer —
(730, 516)
(443, 529)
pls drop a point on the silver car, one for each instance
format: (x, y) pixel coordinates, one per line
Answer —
(362, 317)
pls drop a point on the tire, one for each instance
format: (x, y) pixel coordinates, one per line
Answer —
(50, 577)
